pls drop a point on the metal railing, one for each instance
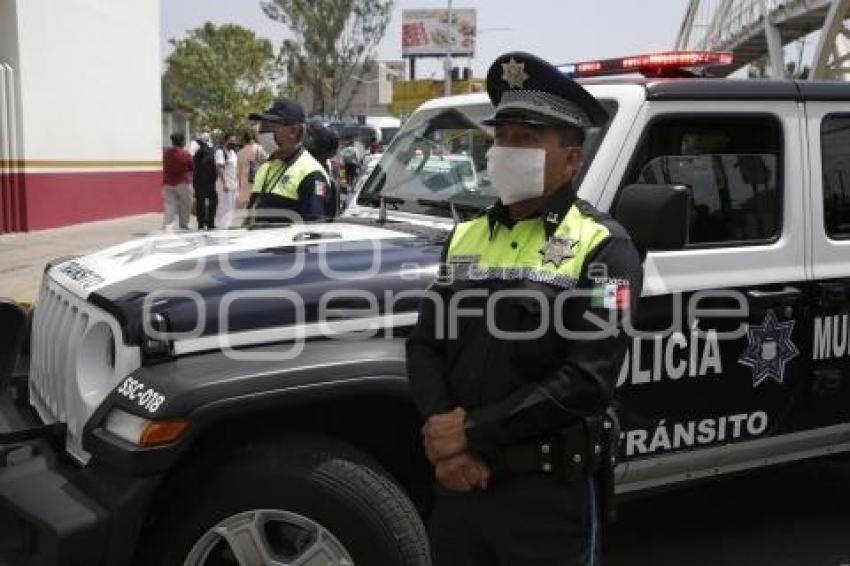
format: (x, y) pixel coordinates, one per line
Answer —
(723, 24)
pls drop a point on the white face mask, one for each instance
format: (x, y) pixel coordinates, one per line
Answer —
(266, 139)
(517, 172)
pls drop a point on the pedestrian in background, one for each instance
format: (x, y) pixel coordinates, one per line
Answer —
(227, 183)
(248, 161)
(203, 134)
(203, 179)
(350, 161)
(176, 183)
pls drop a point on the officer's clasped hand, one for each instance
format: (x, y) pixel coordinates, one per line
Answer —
(462, 472)
(444, 440)
(443, 435)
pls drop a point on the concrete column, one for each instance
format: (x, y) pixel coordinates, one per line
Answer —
(833, 26)
(776, 61)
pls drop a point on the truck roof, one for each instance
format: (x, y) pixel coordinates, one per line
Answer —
(746, 89)
(698, 89)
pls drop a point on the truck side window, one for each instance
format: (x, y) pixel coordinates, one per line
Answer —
(835, 151)
(733, 165)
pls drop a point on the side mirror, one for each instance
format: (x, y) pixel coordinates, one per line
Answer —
(656, 216)
(13, 325)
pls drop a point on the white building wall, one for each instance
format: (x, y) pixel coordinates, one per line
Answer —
(8, 33)
(370, 92)
(9, 57)
(90, 83)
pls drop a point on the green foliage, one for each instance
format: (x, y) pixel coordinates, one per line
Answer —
(334, 40)
(218, 75)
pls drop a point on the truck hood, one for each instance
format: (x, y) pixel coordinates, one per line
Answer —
(257, 286)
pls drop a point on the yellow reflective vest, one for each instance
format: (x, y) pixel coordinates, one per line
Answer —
(524, 252)
(274, 177)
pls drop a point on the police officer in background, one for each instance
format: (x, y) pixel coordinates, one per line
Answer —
(515, 425)
(323, 144)
(292, 182)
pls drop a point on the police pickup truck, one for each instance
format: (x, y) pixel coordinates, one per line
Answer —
(239, 397)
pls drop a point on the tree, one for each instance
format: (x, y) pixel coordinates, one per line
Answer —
(333, 40)
(218, 75)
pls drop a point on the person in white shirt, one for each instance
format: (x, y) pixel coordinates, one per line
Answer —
(227, 183)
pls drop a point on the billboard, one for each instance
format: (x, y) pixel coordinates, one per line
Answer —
(426, 32)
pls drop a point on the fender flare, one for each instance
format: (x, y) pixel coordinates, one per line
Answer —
(212, 387)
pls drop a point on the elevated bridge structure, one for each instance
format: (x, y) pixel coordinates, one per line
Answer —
(754, 30)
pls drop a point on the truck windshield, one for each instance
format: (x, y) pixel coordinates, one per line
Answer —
(439, 159)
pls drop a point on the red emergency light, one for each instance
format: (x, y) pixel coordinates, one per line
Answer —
(589, 68)
(666, 64)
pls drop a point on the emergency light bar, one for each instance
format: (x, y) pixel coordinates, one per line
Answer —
(667, 64)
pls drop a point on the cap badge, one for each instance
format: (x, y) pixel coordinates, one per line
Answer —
(557, 249)
(514, 73)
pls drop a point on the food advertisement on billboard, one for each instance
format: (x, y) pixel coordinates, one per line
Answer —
(426, 32)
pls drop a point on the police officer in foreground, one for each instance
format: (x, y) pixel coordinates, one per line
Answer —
(515, 426)
(292, 184)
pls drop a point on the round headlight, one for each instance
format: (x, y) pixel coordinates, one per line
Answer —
(96, 361)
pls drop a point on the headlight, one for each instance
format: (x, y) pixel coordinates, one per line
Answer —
(144, 432)
(96, 360)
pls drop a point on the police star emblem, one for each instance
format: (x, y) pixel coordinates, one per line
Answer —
(173, 246)
(557, 249)
(513, 73)
(769, 349)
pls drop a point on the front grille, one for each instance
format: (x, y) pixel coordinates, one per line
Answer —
(58, 326)
(57, 390)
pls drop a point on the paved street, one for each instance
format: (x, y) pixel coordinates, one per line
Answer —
(796, 515)
(23, 256)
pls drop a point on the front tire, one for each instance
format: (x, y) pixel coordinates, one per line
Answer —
(309, 501)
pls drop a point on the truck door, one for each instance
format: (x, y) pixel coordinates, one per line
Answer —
(724, 320)
(827, 402)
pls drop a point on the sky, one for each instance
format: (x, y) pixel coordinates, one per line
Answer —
(559, 31)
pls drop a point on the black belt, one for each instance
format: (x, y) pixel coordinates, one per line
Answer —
(569, 453)
(586, 448)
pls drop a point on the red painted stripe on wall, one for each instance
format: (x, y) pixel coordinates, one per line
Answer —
(48, 200)
(12, 204)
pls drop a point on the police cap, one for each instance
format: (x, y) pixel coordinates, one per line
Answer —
(525, 88)
(282, 111)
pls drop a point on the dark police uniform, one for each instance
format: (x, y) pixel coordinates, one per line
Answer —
(298, 182)
(534, 407)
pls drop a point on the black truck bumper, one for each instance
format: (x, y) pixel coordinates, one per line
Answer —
(52, 510)
(55, 512)
(49, 520)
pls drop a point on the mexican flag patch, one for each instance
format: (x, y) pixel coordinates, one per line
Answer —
(613, 295)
